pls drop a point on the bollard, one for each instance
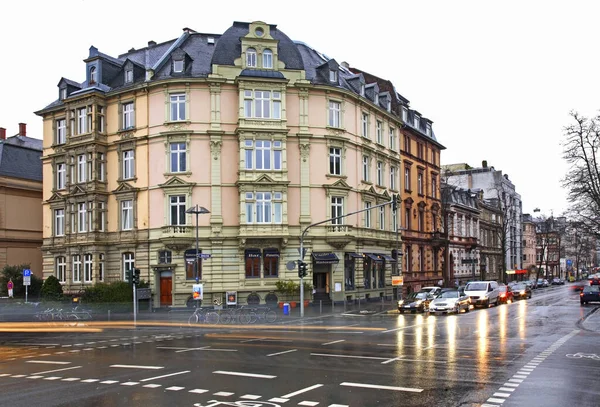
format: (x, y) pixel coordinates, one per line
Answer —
(333, 306)
(320, 306)
(109, 315)
(359, 302)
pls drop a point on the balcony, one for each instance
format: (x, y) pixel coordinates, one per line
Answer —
(178, 231)
(178, 237)
(338, 236)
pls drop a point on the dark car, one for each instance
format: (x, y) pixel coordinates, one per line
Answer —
(557, 281)
(594, 279)
(505, 294)
(415, 302)
(589, 293)
(521, 290)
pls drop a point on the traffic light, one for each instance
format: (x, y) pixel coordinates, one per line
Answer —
(302, 269)
(395, 199)
(129, 276)
(136, 276)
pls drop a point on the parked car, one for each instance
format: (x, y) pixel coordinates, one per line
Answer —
(415, 302)
(505, 294)
(450, 301)
(589, 293)
(521, 291)
(483, 292)
(541, 282)
(557, 281)
(594, 279)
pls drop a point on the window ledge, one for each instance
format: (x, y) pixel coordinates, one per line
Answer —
(127, 130)
(134, 179)
(175, 174)
(336, 176)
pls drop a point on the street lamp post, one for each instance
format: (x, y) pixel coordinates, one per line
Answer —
(197, 210)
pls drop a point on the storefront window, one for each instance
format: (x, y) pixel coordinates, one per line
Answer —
(271, 262)
(252, 257)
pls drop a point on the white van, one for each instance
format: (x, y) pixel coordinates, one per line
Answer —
(483, 292)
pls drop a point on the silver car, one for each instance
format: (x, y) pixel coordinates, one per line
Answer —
(450, 301)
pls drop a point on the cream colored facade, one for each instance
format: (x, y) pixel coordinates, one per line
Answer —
(160, 146)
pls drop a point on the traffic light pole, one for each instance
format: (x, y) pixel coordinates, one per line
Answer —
(393, 202)
(134, 304)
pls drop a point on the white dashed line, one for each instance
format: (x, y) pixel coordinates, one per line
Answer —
(223, 393)
(281, 353)
(90, 380)
(290, 395)
(308, 403)
(129, 384)
(152, 385)
(278, 400)
(250, 397)
(109, 381)
(199, 391)
(175, 388)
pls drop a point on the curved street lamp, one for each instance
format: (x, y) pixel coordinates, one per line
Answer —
(197, 210)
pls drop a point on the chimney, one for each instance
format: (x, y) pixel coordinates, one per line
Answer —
(23, 129)
(151, 43)
(484, 163)
(345, 64)
(2, 133)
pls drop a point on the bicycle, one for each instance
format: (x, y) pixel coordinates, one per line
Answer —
(258, 314)
(203, 315)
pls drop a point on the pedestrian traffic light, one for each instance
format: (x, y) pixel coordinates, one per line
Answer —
(136, 276)
(129, 276)
(302, 269)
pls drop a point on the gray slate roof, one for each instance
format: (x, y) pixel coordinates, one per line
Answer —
(21, 157)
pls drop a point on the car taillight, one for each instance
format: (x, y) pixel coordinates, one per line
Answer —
(581, 294)
(502, 295)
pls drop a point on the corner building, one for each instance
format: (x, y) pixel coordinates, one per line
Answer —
(266, 133)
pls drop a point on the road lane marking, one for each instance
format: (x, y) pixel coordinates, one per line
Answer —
(346, 332)
(152, 386)
(495, 400)
(348, 356)
(519, 376)
(308, 403)
(110, 381)
(48, 362)
(281, 353)
(129, 384)
(223, 393)
(516, 380)
(332, 342)
(175, 388)
(511, 384)
(90, 380)
(501, 394)
(290, 395)
(262, 376)
(59, 370)
(34, 377)
(252, 340)
(506, 389)
(376, 386)
(165, 375)
(402, 327)
(71, 379)
(200, 391)
(138, 367)
(52, 378)
(250, 397)
(18, 375)
(278, 400)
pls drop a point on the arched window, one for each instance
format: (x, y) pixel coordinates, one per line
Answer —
(92, 74)
(251, 58)
(268, 59)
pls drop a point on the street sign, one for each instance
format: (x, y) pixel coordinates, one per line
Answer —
(303, 252)
(204, 255)
(26, 280)
(231, 297)
(198, 291)
(397, 280)
(190, 255)
(27, 273)
(290, 265)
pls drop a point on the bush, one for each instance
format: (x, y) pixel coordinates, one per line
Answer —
(15, 273)
(119, 291)
(51, 289)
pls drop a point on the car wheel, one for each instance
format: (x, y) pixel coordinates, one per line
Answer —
(401, 311)
(468, 309)
(581, 303)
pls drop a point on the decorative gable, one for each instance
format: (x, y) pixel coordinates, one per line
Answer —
(77, 190)
(259, 48)
(56, 198)
(124, 188)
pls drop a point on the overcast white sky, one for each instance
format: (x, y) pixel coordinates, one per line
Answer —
(498, 79)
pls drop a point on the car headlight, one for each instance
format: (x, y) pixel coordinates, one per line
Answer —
(419, 302)
(400, 302)
(522, 291)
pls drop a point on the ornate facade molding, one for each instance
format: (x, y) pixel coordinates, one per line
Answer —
(215, 148)
(304, 151)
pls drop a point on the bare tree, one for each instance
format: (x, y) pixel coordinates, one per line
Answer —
(503, 201)
(542, 244)
(582, 180)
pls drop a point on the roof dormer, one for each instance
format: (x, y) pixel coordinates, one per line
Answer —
(329, 72)
(180, 62)
(259, 48)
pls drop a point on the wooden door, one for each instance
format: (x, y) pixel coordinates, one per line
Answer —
(320, 282)
(166, 285)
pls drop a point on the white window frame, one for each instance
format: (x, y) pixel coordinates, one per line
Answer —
(61, 176)
(101, 167)
(380, 171)
(178, 65)
(82, 120)
(365, 168)
(407, 178)
(128, 164)
(433, 187)
(337, 210)
(101, 211)
(60, 269)
(177, 203)
(177, 107)
(393, 178)
(81, 168)
(264, 207)
(382, 218)
(128, 264)
(128, 116)
(392, 134)
(93, 75)
(101, 267)
(420, 183)
(335, 114)
(267, 59)
(333, 75)
(61, 131)
(365, 125)
(251, 58)
(379, 131)
(335, 161)
(81, 217)
(59, 222)
(177, 152)
(77, 268)
(262, 104)
(368, 215)
(268, 152)
(126, 214)
(87, 268)
(394, 220)
(128, 75)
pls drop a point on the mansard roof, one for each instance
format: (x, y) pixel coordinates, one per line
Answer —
(21, 157)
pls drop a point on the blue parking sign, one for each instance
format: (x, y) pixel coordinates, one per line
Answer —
(27, 273)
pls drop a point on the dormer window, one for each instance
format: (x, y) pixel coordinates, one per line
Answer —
(362, 89)
(93, 75)
(376, 99)
(267, 59)
(416, 122)
(63, 93)
(428, 130)
(333, 76)
(389, 105)
(404, 114)
(178, 66)
(128, 76)
(251, 58)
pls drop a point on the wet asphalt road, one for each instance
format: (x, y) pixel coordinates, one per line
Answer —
(538, 352)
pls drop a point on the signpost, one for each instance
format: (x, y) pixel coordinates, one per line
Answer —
(26, 280)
